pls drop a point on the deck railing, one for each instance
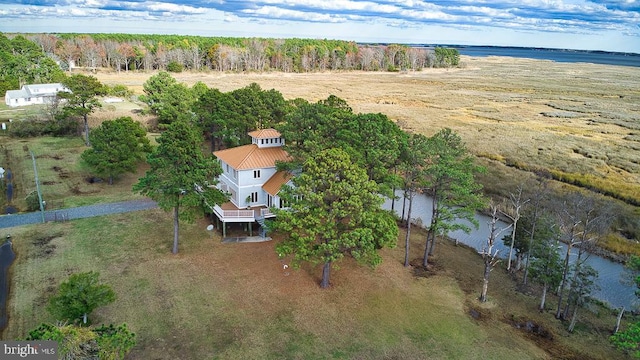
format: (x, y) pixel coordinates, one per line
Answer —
(266, 213)
(234, 213)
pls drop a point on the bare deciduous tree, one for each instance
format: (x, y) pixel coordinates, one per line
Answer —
(514, 212)
(582, 223)
(489, 255)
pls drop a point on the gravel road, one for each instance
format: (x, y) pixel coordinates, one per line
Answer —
(7, 221)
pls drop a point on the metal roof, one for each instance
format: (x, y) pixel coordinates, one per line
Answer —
(252, 157)
(265, 134)
(273, 185)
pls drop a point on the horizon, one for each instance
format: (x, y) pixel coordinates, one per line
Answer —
(609, 25)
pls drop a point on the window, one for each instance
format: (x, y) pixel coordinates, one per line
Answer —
(262, 141)
(227, 166)
(256, 174)
(269, 200)
(235, 173)
(254, 197)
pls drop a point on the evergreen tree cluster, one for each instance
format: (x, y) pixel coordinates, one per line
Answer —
(24, 62)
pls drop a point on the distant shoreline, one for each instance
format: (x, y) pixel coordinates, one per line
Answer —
(557, 55)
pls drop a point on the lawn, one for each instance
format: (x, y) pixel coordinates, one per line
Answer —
(237, 301)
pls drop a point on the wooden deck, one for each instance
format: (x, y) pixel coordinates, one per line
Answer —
(228, 212)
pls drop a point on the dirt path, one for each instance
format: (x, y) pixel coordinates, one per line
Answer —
(8, 221)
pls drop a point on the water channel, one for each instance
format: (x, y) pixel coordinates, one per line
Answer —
(6, 258)
(611, 289)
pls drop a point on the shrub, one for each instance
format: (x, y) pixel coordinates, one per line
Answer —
(61, 127)
(119, 90)
(175, 67)
(26, 128)
(628, 340)
(33, 127)
(33, 203)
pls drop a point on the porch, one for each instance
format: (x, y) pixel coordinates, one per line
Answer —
(230, 213)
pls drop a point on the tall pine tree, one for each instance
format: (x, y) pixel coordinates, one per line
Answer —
(180, 175)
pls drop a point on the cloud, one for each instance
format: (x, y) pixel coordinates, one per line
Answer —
(545, 16)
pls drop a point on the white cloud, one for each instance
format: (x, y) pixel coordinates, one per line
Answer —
(172, 8)
(571, 23)
(279, 13)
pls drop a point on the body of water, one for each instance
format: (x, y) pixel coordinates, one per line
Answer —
(6, 258)
(612, 290)
(558, 55)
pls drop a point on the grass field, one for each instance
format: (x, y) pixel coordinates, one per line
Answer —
(63, 180)
(236, 301)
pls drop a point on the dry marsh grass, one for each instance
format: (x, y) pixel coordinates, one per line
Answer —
(573, 118)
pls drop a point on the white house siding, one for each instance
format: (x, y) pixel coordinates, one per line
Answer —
(32, 94)
(268, 142)
(15, 98)
(226, 184)
(251, 185)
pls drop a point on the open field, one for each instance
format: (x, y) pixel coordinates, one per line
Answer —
(63, 180)
(236, 301)
(581, 121)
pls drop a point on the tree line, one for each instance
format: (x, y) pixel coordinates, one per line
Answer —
(124, 52)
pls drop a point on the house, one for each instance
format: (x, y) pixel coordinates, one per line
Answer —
(33, 94)
(249, 175)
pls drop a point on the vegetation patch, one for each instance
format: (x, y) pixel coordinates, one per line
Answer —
(43, 246)
(561, 114)
(61, 176)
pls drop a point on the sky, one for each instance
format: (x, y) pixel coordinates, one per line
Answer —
(609, 25)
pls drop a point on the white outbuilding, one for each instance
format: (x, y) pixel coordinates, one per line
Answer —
(33, 94)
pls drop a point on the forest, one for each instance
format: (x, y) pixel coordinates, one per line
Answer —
(125, 52)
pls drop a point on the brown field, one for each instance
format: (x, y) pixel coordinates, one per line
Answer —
(580, 120)
(237, 301)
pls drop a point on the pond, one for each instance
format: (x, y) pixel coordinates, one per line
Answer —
(6, 258)
(611, 289)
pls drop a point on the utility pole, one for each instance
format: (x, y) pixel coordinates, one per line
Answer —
(35, 170)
